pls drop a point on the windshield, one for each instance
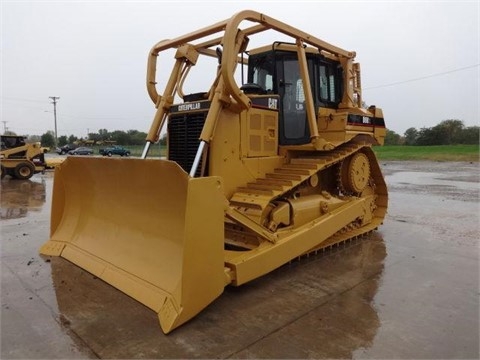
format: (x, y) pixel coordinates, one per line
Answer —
(261, 71)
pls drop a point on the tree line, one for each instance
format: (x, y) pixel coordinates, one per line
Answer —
(120, 137)
(447, 132)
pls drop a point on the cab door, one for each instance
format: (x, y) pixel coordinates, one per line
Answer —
(293, 125)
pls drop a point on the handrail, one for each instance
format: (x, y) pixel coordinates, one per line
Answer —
(264, 23)
(233, 41)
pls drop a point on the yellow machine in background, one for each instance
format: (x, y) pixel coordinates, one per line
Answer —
(258, 173)
(19, 159)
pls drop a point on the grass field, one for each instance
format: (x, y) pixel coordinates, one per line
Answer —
(136, 150)
(391, 152)
(432, 153)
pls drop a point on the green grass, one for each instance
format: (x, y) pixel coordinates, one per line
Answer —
(136, 150)
(155, 150)
(390, 152)
(432, 153)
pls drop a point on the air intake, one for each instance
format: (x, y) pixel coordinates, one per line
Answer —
(184, 131)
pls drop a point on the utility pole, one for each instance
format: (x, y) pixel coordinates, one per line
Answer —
(54, 99)
(4, 126)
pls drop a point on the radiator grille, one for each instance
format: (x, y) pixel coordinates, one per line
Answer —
(183, 138)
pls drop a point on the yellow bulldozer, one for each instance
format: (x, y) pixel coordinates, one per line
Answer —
(272, 161)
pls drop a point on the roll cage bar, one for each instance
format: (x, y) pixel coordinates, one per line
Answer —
(224, 90)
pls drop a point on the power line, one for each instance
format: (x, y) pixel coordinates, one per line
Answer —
(75, 116)
(106, 118)
(22, 99)
(423, 77)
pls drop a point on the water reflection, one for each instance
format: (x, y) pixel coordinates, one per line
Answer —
(347, 321)
(319, 307)
(18, 197)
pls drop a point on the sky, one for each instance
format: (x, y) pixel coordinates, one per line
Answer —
(420, 61)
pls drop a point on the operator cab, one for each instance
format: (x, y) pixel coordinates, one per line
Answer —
(275, 70)
(12, 141)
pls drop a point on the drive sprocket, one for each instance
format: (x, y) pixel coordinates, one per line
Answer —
(354, 174)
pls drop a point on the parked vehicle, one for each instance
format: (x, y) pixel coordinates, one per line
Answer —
(81, 151)
(65, 149)
(115, 150)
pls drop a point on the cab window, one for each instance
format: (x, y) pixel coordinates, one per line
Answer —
(329, 81)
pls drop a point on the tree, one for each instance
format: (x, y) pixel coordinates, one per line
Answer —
(163, 140)
(447, 132)
(392, 138)
(470, 135)
(48, 139)
(427, 136)
(450, 131)
(411, 135)
(72, 139)
(33, 139)
(94, 136)
(136, 137)
(120, 137)
(103, 134)
(62, 140)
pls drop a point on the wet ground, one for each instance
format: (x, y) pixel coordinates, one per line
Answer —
(409, 290)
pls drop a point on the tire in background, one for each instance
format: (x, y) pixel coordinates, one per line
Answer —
(24, 171)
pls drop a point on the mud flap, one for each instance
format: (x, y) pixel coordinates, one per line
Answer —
(145, 227)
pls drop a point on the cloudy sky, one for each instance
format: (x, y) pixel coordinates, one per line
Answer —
(420, 60)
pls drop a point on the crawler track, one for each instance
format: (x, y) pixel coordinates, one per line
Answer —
(256, 196)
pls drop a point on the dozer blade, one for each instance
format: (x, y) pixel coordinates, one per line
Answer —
(145, 227)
